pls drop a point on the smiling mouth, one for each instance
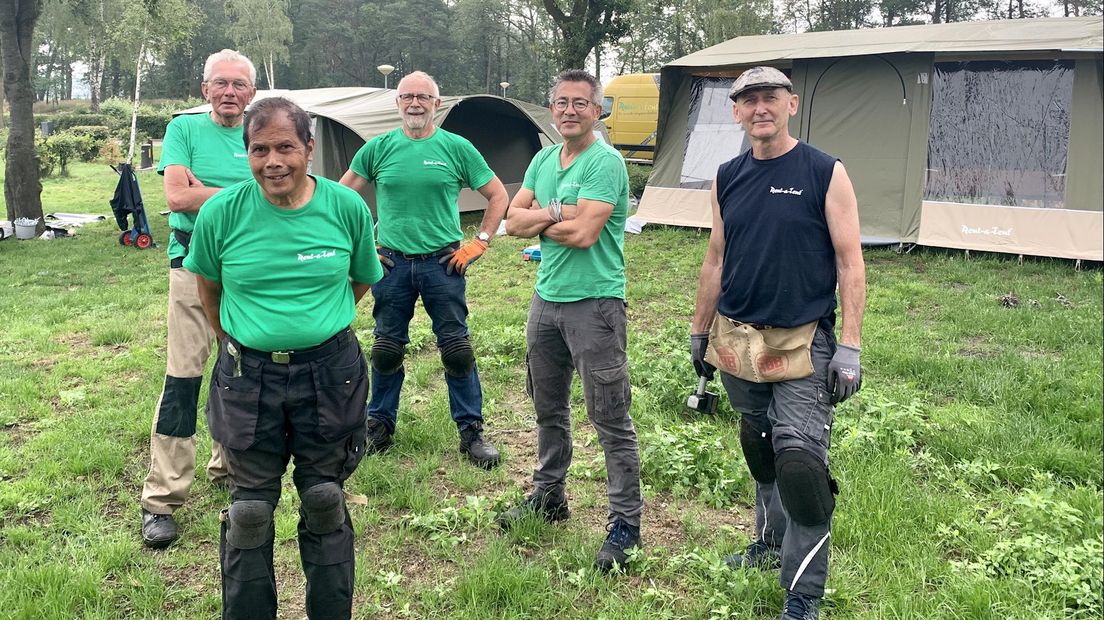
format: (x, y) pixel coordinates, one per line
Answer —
(277, 177)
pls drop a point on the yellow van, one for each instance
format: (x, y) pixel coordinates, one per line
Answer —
(630, 110)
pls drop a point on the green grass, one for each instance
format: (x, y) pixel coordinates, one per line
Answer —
(970, 463)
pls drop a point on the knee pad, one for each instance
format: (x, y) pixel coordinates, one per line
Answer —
(458, 357)
(387, 355)
(323, 507)
(249, 524)
(808, 493)
(758, 452)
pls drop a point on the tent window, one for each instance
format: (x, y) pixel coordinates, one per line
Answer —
(713, 136)
(1000, 133)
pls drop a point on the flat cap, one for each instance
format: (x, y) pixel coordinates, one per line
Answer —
(759, 77)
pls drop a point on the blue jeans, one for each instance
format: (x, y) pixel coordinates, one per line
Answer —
(443, 297)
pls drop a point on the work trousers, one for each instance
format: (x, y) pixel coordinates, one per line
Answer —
(443, 297)
(172, 438)
(265, 413)
(587, 336)
(796, 415)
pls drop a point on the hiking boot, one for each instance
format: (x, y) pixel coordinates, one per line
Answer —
(800, 607)
(479, 451)
(622, 537)
(758, 555)
(379, 437)
(540, 505)
(158, 531)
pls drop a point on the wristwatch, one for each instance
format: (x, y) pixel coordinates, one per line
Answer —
(484, 237)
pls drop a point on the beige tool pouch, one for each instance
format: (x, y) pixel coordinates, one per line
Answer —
(766, 355)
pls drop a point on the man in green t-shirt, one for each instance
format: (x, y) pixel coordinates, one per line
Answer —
(577, 319)
(418, 170)
(202, 153)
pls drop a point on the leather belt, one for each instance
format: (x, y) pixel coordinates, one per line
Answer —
(317, 352)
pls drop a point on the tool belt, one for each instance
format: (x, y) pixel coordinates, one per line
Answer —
(761, 353)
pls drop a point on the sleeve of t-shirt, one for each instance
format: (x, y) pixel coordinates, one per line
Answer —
(204, 253)
(175, 150)
(364, 264)
(529, 181)
(476, 171)
(363, 160)
(605, 180)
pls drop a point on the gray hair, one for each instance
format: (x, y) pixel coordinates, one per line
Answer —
(578, 75)
(228, 55)
(424, 76)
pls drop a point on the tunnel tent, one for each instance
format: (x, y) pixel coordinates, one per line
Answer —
(507, 132)
(972, 135)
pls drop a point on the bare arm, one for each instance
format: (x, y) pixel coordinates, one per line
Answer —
(523, 220)
(210, 295)
(183, 191)
(709, 280)
(497, 199)
(353, 180)
(359, 290)
(582, 225)
(841, 209)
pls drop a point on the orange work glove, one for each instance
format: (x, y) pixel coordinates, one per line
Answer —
(468, 253)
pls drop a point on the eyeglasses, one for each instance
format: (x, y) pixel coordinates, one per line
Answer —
(577, 104)
(221, 84)
(421, 97)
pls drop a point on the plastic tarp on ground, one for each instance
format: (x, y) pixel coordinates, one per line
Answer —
(507, 132)
(910, 112)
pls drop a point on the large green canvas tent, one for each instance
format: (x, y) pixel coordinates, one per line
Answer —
(975, 135)
(507, 132)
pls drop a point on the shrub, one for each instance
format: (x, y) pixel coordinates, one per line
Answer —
(118, 109)
(69, 120)
(153, 123)
(65, 146)
(98, 134)
(638, 178)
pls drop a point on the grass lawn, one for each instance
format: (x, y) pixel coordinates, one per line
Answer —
(970, 464)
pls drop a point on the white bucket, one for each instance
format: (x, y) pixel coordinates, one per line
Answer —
(25, 228)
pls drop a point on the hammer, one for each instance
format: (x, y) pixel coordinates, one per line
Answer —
(701, 400)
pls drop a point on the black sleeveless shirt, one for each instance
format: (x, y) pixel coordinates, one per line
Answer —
(779, 265)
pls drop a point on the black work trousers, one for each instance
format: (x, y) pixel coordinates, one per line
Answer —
(266, 408)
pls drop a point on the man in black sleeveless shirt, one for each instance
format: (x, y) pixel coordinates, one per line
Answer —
(785, 233)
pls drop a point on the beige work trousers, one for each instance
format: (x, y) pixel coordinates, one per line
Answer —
(172, 456)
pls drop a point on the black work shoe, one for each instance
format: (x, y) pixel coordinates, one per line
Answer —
(758, 555)
(479, 451)
(379, 438)
(622, 537)
(800, 607)
(542, 506)
(158, 531)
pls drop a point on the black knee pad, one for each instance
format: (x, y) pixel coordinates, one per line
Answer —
(249, 524)
(758, 452)
(323, 507)
(387, 355)
(458, 357)
(808, 493)
(177, 415)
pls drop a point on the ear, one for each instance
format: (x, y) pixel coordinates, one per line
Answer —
(310, 148)
(793, 104)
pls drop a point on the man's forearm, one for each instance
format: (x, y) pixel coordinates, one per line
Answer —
(525, 223)
(709, 291)
(191, 199)
(210, 296)
(852, 286)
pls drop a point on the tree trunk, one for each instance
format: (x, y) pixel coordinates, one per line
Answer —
(22, 189)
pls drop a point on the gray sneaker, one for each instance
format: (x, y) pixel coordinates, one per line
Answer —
(158, 531)
(800, 607)
(758, 555)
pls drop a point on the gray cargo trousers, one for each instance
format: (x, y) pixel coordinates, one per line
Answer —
(588, 336)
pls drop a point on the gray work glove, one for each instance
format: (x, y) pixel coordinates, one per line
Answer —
(698, 345)
(386, 263)
(844, 373)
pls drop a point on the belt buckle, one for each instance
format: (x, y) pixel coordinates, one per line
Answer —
(281, 357)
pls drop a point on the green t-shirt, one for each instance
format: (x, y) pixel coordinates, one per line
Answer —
(215, 154)
(598, 173)
(417, 184)
(285, 273)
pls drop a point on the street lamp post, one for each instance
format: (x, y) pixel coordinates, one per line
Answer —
(504, 86)
(386, 71)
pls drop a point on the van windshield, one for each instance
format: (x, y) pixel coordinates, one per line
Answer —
(607, 107)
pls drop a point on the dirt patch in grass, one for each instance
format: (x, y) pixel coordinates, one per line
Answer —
(977, 347)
